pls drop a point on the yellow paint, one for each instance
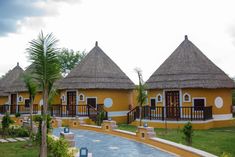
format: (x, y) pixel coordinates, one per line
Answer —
(197, 126)
(121, 119)
(209, 94)
(3, 100)
(121, 98)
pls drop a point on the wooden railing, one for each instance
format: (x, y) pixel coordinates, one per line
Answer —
(12, 109)
(170, 113)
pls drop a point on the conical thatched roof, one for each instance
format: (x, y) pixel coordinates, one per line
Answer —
(96, 71)
(188, 67)
(9, 78)
(18, 84)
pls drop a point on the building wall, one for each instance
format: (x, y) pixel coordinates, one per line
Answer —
(209, 94)
(3, 100)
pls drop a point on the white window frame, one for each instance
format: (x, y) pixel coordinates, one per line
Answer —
(81, 94)
(157, 98)
(189, 97)
(96, 99)
(199, 98)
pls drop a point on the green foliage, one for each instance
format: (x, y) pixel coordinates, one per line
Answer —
(17, 114)
(100, 117)
(58, 148)
(188, 133)
(142, 94)
(224, 154)
(6, 121)
(18, 132)
(69, 58)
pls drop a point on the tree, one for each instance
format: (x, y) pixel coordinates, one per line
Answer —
(69, 59)
(46, 70)
(188, 133)
(142, 95)
(32, 89)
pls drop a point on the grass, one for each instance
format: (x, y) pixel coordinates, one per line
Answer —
(215, 141)
(18, 149)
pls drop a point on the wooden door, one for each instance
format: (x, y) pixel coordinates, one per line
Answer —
(172, 104)
(91, 102)
(13, 103)
(71, 103)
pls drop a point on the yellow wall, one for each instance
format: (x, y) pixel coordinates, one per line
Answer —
(209, 94)
(3, 100)
(121, 98)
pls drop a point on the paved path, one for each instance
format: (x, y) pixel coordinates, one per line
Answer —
(14, 139)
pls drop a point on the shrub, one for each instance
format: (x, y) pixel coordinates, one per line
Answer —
(6, 122)
(17, 114)
(188, 133)
(18, 132)
(100, 117)
(58, 148)
(225, 155)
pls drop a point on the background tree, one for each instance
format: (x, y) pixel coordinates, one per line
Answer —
(46, 70)
(142, 95)
(32, 89)
(69, 58)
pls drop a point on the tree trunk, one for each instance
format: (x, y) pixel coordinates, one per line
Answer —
(43, 150)
(140, 115)
(31, 115)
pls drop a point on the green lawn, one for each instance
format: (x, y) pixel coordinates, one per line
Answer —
(215, 141)
(18, 149)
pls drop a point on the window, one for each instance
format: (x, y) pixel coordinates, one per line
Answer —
(63, 98)
(199, 103)
(153, 103)
(81, 97)
(186, 97)
(20, 99)
(159, 98)
(26, 102)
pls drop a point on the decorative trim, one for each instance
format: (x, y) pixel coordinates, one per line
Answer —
(20, 98)
(189, 97)
(83, 96)
(117, 113)
(222, 116)
(160, 98)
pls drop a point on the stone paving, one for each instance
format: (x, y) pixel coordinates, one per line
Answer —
(14, 139)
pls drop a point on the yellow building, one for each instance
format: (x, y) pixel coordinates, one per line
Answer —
(5, 82)
(189, 87)
(99, 83)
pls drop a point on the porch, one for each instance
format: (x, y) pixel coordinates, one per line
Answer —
(175, 113)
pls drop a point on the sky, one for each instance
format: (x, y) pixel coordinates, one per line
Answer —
(133, 33)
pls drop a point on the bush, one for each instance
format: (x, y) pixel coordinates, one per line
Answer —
(100, 117)
(188, 133)
(17, 114)
(226, 155)
(6, 122)
(58, 148)
(18, 132)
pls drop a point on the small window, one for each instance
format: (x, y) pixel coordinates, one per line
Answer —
(81, 97)
(199, 104)
(20, 99)
(159, 98)
(26, 102)
(186, 97)
(63, 98)
(153, 103)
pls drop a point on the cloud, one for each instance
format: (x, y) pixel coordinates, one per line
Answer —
(15, 12)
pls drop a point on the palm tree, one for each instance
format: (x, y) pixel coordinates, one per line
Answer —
(142, 95)
(46, 70)
(32, 89)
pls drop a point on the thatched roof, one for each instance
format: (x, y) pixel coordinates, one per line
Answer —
(188, 67)
(9, 78)
(96, 71)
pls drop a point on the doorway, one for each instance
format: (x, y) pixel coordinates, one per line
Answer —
(172, 104)
(71, 102)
